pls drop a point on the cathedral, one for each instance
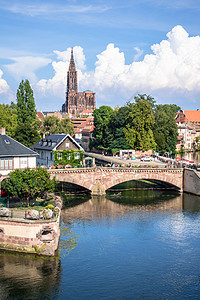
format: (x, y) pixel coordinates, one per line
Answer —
(76, 101)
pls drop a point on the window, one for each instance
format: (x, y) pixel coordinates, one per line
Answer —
(23, 162)
(51, 156)
(69, 156)
(10, 165)
(67, 145)
(77, 155)
(2, 164)
(6, 164)
(59, 155)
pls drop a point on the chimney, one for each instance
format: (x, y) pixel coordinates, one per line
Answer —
(2, 130)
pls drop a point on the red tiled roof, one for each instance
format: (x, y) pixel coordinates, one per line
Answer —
(40, 115)
(192, 115)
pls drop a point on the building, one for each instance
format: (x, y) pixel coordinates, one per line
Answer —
(76, 101)
(14, 155)
(188, 123)
(83, 128)
(193, 116)
(47, 146)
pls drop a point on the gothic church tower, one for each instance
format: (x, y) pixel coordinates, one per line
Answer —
(76, 101)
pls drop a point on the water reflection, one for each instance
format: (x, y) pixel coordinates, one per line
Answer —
(191, 203)
(114, 206)
(27, 277)
(101, 207)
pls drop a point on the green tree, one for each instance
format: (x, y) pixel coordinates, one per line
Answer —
(102, 132)
(165, 128)
(117, 125)
(8, 118)
(67, 126)
(26, 130)
(28, 184)
(53, 125)
(140, 121)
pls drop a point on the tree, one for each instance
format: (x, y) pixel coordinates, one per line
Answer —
(8, 118)
(165, 128)
(102, 132)
(26, 130)
(140, 121)
(28, 184)
(53, 125)
(67, 126)
(116, 125)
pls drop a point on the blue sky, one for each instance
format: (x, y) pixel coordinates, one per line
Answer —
(121, 48)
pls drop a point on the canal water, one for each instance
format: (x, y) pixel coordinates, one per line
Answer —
(139, 244)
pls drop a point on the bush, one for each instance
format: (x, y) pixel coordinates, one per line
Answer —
(50, 206)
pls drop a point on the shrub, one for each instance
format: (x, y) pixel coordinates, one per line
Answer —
(50, 206)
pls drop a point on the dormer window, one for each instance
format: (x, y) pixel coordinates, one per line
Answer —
(7, 142)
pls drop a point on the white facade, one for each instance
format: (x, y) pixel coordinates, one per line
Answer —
(9, 164)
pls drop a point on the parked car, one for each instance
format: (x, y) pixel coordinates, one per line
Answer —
(146, 158)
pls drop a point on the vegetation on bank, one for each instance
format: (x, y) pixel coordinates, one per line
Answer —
(28, 184)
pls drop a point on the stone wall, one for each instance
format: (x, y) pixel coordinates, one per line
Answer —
(191, 182)
(30, 236)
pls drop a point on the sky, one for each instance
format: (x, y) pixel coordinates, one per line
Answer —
(121, 49)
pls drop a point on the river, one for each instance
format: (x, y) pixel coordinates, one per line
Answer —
(139, 244)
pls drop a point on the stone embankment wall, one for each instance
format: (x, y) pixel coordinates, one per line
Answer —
(191, 182)
(29, 236)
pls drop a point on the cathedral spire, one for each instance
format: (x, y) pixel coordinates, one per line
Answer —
(72, 75)
(72, 63)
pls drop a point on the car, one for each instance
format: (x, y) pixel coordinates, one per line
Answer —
(146, 158)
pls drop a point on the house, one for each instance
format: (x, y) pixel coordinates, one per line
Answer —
(57, 148)
(188, 128)
(83, 128)
(14, 155)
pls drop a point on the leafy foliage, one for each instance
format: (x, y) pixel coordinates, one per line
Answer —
(140, 121)
(68, 157)
(165, 127)
(28, 184)
(53, 125)
(102, 132)
(8, 118)
(26, 131)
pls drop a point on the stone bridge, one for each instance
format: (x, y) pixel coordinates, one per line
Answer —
(97, 180)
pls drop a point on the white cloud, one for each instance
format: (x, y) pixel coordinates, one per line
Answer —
(4, 87)
(25, 67)
(40, 9)
(174, 65)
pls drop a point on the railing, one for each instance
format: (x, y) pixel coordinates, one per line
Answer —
(23, 214)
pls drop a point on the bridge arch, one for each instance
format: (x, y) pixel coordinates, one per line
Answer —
(156, 177)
